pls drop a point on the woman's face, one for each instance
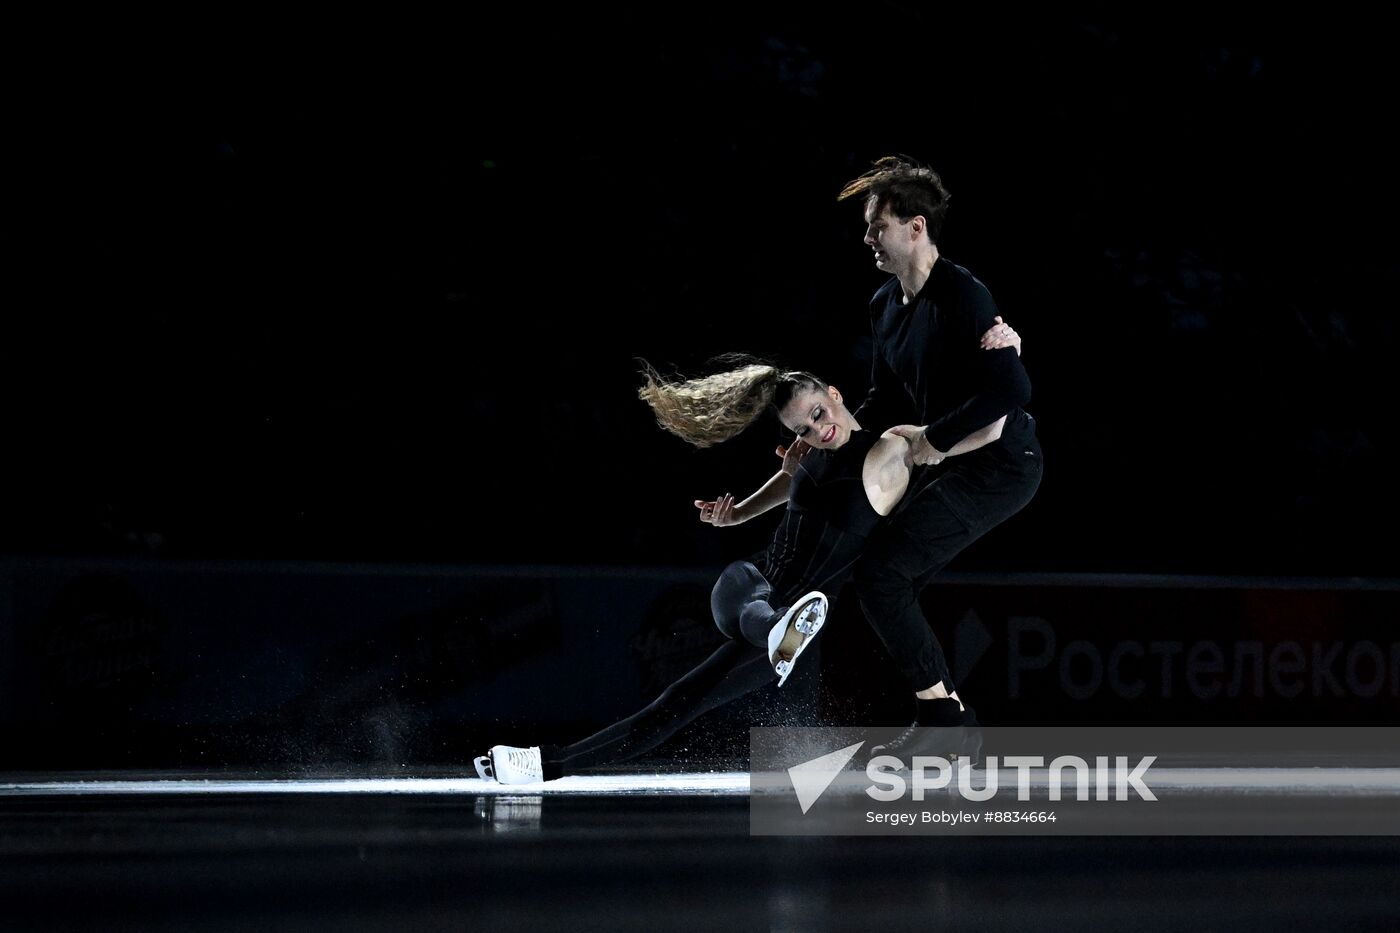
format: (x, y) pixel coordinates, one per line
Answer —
(818, 417)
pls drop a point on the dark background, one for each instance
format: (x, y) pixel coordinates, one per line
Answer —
(372, 291)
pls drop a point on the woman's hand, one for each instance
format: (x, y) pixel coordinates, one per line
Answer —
(793, 455)
(719, 512)
(1001, 335)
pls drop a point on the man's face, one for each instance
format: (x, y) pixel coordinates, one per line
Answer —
(892, 239)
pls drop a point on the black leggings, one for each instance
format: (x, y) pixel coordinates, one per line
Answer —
(740, 666)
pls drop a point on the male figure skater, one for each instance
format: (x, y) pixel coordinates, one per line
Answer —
(926, 322)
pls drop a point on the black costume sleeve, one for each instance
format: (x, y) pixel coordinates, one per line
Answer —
(882, 402)
(999, 380)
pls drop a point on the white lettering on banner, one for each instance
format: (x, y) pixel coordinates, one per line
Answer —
(1322, 669)
(1372, 652)
(1166, 649)
(1205, 657)
(1120, 687)
(1293, 663)
(1091, 686)
(1333, 669)
(1242, 650)
(1017, 661)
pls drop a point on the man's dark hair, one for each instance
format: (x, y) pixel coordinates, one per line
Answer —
(907, 188)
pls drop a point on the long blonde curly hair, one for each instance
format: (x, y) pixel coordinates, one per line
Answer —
(709, 410)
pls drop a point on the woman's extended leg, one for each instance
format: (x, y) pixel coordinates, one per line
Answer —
(739, 602)
(740, 666)
(733, 670)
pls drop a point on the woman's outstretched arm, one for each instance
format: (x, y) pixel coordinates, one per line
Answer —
(724, 511)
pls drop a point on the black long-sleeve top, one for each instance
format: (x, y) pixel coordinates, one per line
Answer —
(928, 351)
(827, 521)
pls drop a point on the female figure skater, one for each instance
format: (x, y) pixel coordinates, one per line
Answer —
(838, 481)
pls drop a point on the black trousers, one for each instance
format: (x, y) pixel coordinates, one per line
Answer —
(946, 509)
(738, 667)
